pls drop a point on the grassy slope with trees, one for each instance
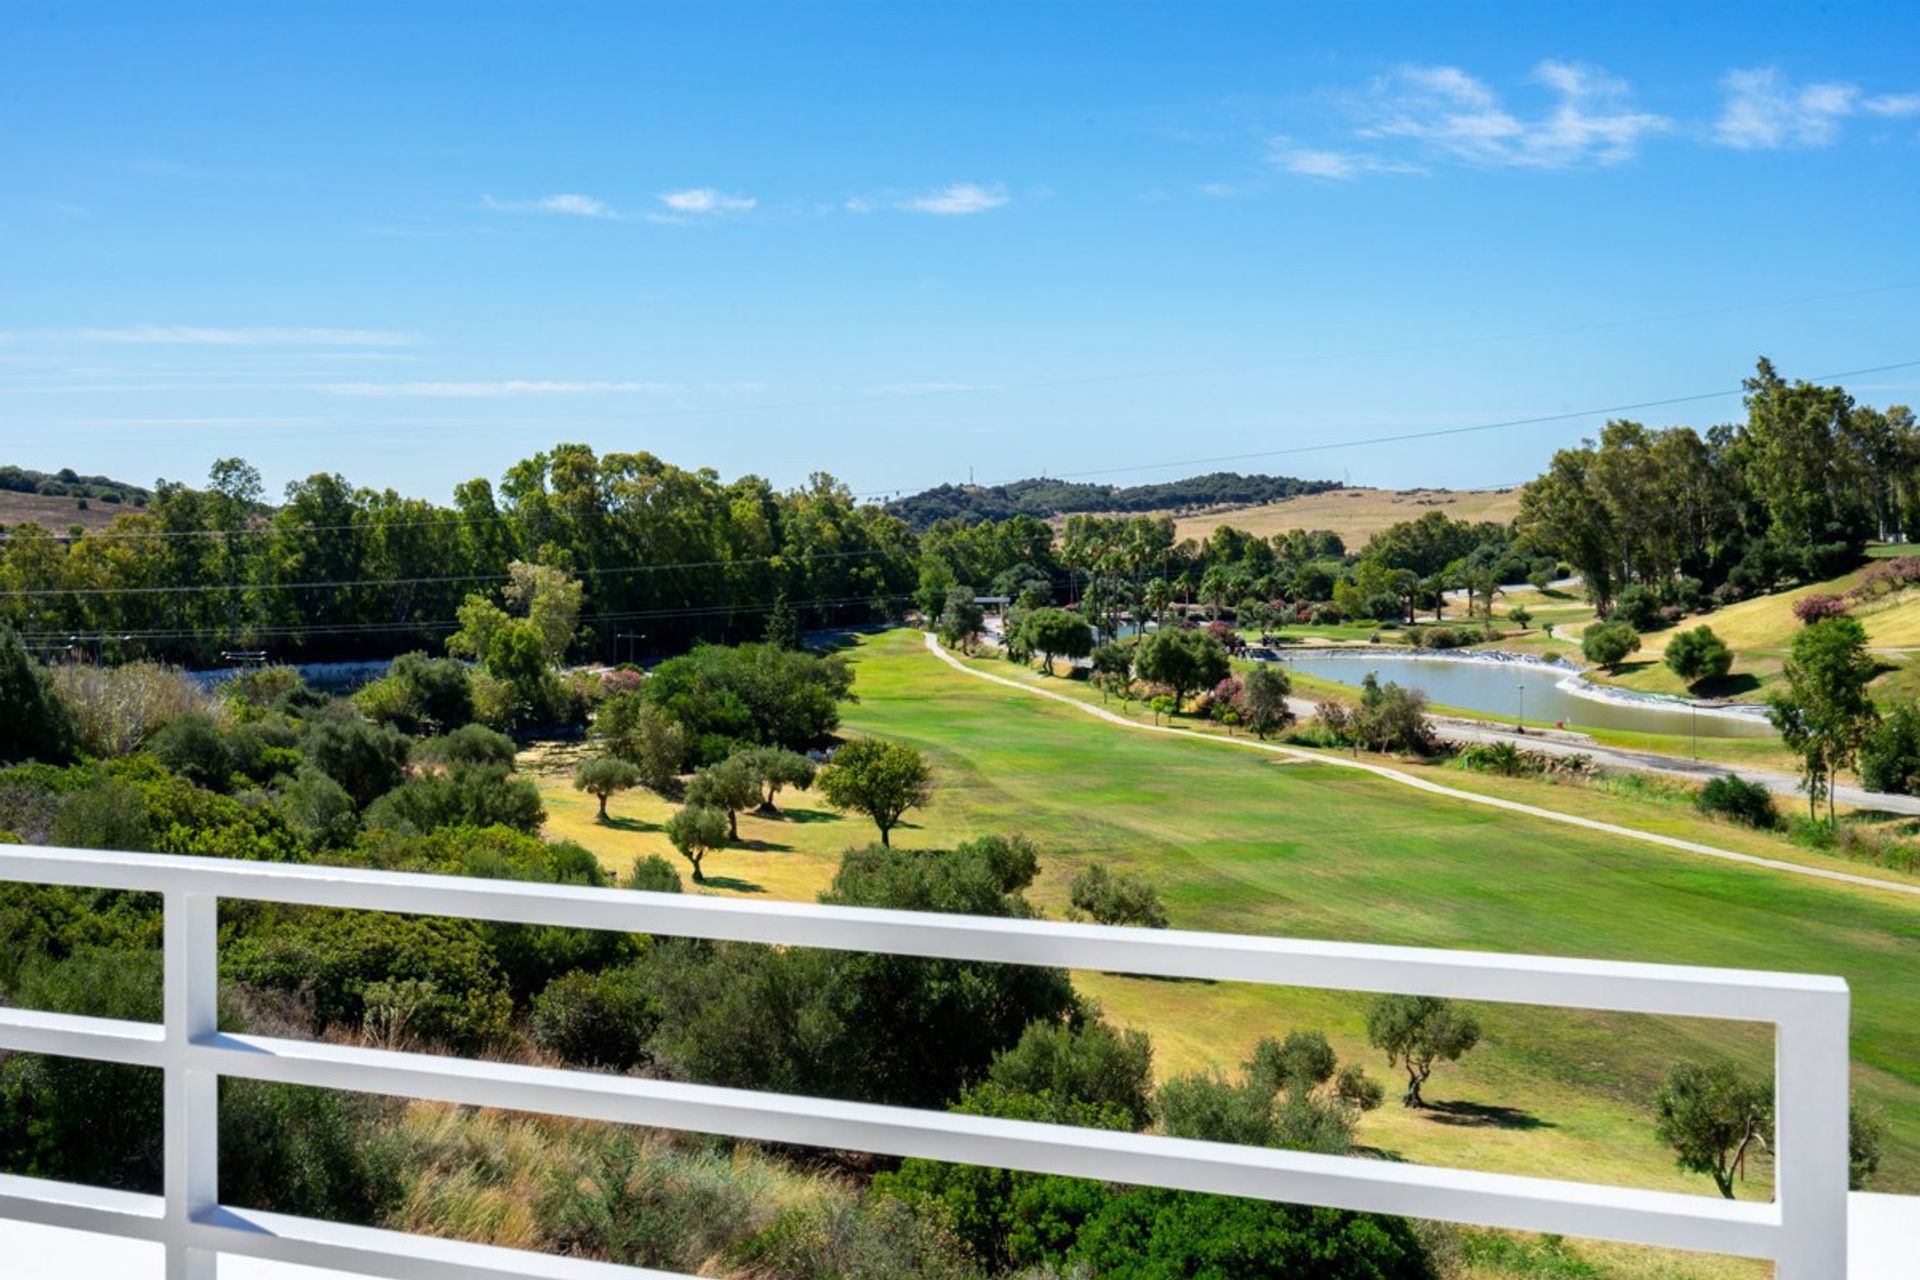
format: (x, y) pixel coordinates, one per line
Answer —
(1241, 843)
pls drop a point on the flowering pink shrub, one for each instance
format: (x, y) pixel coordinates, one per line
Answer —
(1819, 606)
(1228, 695)
(1887, 576)
(620, 680)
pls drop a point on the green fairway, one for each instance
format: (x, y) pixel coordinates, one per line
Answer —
(1243, 842)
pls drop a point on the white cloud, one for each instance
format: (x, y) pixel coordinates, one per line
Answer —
(1315, 162)
(1217, 190)
(960, 198)
(491, 390)
(1892, 105)
(858, 204)
(1763, 112)
(706, 200)
(1446, 112)
(198, 336)
(571, 204)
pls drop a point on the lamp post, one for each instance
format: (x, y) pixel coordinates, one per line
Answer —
(1695, 709)
(1520, 716)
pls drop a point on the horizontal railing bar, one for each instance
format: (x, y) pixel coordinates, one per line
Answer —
(1500, 1200)
(392, 1255)
(139, 1044)
(1742, 995)
(77, 1207)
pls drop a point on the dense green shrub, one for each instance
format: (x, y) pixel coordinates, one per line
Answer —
(654, 874)
(1745, 802)
(289, 1149)
(595, 1019)
(1150, 1234)
(852, 1024)
(1117, 898)
(194, 745)
(1699, 654)
(318, 808)
(74, 1119)
(1609, 643)
(463, 796)
(1890, 760)
(432, 979)
(469, 744)
(38, 725)
(108, 815)
(366, 759)
(1091, 1063)
(750, 694)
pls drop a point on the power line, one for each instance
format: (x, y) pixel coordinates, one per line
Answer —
(1439, 432)
(78, 637)
(442, 580)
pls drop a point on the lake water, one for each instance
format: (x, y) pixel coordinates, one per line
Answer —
(1506, 690)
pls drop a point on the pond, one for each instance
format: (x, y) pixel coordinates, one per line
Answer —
(1505, 690)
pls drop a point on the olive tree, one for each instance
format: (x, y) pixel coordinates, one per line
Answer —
(697, 831)
(1711, 1115)
(730, 786)
(644, 735)
(880, 779)
(1419, 1032)
(604, 776)
(1263, 700)
(776, 768)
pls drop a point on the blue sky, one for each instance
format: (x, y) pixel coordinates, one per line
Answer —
(412, 243)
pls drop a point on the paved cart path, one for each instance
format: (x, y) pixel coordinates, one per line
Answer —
(1432, 787)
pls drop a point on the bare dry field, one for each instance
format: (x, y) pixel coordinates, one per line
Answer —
(56, 514)
(1355, 514)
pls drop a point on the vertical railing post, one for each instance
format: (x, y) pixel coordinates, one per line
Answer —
(192, 1096)
(1810, 1158)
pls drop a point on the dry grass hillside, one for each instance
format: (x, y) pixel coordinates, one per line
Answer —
(57, 513)
(1355, 514)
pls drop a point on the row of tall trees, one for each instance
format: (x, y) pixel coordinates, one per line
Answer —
(1793, 491)
(664, 556)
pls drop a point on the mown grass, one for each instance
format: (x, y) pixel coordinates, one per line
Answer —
(1240, 842)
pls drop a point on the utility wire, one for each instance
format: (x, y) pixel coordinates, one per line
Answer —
(337, 584)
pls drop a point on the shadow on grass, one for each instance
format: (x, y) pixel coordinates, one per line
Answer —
(1728, 686)
(806, 815)
(762, 846)
(733, 883)
(637, 825)
(1484, 1115)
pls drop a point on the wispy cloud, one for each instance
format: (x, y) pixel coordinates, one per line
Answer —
(1449, 114)
(491, 390)
(1766, 112)
(957, 199)
(698, 200)
(178, 335)
(1892, 105)
(567, 203)
(858, 204)
(1316, 162)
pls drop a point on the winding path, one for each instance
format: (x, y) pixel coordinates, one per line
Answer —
(1434, 788)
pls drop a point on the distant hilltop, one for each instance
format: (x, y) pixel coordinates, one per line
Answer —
(67, 483)
(57, 500)
(1045, 499)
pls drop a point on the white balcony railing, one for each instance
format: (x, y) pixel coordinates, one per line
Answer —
(1803, 1230)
